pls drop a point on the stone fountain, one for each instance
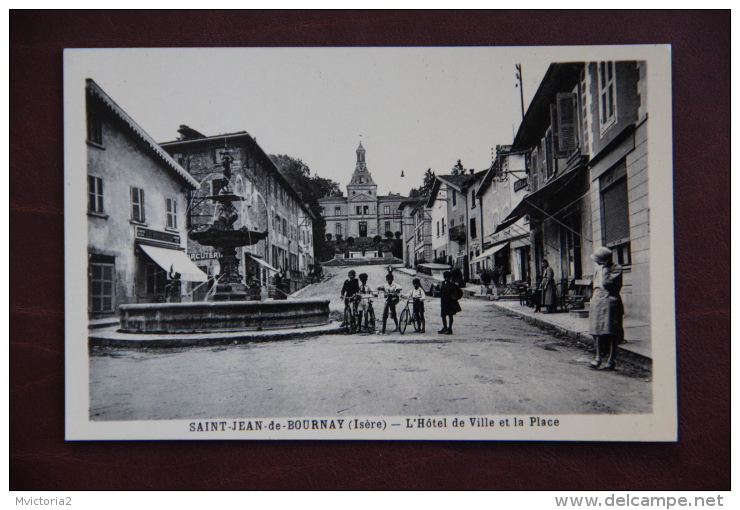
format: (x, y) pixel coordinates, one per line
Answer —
(228, 309)
(222, 235)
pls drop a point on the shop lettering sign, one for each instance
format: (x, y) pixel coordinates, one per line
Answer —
(155, 235)
(204, 255)
(521, 183)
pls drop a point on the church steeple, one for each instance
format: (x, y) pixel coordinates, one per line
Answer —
(360, 154)
(361, 178)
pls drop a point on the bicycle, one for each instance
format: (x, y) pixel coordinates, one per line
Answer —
(369, 314)
(408, 317)
(350, 315)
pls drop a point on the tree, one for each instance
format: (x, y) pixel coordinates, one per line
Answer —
(350, 240)
(389, 235)
(458, 168)
(328, 236)
(377, 239)
(426, 187)
(398, 235)
(339, 238)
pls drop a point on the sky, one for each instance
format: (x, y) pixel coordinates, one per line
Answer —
(412, 108)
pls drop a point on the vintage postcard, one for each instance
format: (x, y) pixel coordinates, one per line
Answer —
(370, 243)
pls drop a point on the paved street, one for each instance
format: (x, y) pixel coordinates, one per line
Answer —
(495, 363)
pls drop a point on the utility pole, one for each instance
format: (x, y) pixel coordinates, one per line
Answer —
(521, 88)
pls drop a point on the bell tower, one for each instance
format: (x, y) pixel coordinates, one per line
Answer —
(362, 181)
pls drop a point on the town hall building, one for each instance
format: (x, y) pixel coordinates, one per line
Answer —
(362, 213)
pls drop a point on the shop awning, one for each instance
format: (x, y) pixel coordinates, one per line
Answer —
(490, 252)
(177, 261)
(263, 263)
(535, 200)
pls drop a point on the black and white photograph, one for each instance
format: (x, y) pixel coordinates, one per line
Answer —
(369, 243)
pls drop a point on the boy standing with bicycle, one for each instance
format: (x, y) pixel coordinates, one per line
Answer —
(392, 292)
(350, 288)
(365, 292)
(418, 295)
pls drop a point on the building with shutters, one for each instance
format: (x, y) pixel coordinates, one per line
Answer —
(585, 137)
(137, 202)
(416, 233)
(508, 252)
(269, 203)
(455, 228)
(362, 213)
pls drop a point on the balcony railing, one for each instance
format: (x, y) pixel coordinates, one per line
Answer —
(458, 234)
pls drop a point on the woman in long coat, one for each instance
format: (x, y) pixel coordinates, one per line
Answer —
(449, 293)
(548, 287)
(606, 312)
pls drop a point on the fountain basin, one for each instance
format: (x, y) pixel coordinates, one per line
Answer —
(206, 317)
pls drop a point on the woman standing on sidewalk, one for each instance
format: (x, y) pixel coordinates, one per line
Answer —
(449, 293)
(607, 311)
(548, 287)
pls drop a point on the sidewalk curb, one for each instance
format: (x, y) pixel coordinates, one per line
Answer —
(581, 339)
(99, 339)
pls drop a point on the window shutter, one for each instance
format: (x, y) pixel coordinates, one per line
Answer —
(615, 207)
(566, 122)
(141, 204)
(136, 204)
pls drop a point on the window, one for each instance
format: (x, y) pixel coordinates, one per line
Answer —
(472, 199)
(338, 229)
(452, 222)
(615, 213)
(170, 205)
(358, 210)
(386, 209)
(473, 231)
(285, 227)
(454, 197)
(137, 205)
(607, 95)
(337, 211)
(437, 229)
(94, 128)
(156, 279)
(443, 225)
(95, 194)
(567, 124)
(387, 227)
(101, 284)
(366, 209)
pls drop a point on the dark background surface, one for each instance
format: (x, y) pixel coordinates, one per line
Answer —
(40, 459)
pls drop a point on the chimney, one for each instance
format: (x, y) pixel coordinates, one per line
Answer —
(472, 171)
(188, 133)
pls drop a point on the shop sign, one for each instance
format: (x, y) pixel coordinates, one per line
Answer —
(520, 184)
(155, 235)
(204, 255)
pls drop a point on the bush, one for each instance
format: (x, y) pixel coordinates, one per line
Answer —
(339, 238)
(487, 276)
(377, 239)
(328, 237)
(389, 235)
(398, 235)
(350, 240)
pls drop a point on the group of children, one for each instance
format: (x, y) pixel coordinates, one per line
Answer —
(450, 294)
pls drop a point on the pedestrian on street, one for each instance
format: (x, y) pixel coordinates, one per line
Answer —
(450, 294)
(392, 292)
(607, 311)
(547, 286)
(173, 290)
